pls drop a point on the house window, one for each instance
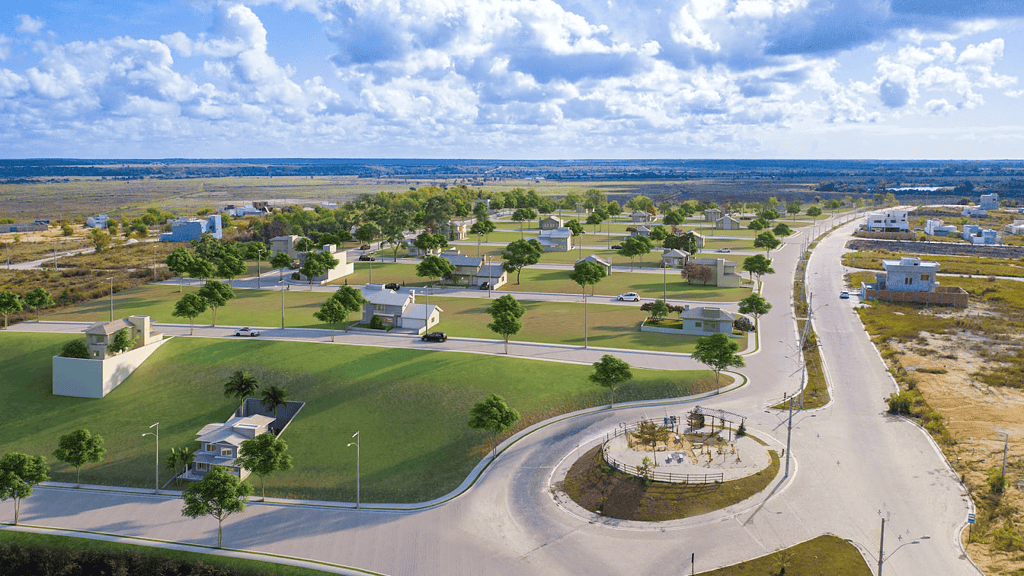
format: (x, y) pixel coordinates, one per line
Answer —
(211, 448)
(908, 280)
(697, 324)
(924, 277)
(225, 451)
(202, 467)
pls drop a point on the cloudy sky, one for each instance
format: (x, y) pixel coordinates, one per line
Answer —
(512, 78)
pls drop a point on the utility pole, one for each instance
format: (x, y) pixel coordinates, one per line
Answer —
(881, 544)
(789, 436)
(1006, 448)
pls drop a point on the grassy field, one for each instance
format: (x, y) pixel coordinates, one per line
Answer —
(86, 545)
(410, 407)
(646, 285)
(872, 260)
(822, 555)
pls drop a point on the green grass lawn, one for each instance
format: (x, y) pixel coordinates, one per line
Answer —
(646, 285)
(562, 323)
(822, 555)
(713, 243)
(410, 407)
(87, 545)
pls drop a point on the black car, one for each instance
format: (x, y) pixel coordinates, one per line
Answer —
(485, 286)
(392, 286)
(435, 337)
(365, 258)
(617, 247)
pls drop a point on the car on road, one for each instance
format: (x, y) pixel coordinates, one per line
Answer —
(435, 337)
(628, 297)
(392, 286)
(617, 247)
(247, 332)
(366, 258)
(364, 247)
(844, 295)
(485, 286)
(295, 265)
(723, 250)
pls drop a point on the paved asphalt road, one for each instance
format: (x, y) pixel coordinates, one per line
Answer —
(852, 465)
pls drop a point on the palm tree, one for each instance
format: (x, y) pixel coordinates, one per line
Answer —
(240, 385)
(274, 397)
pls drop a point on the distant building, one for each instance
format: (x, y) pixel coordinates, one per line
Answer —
(185, 229)
(475, 271)
(674, 258)
(286, 244)
(908, 274)
(725, 275)
(939, 228)
(700, 238)
(978, 235)
(398, 309)
(712, 215)
(97, 221)
(1017, 227)
(550, 223)
(459, 229)
(641, 216)
(606, 264)
(974, 212)
(641, 230)
(989, 201)
(888, 221)
(342, 269)
(704, 320)
(557, 240)
(727, 223)
(242, 211)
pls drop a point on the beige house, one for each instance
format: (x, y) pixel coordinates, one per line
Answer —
(725, 275)
(344, 267)
(459, 229)
(550, 223)
(557, 240)
(98, 336)
(219, 443)
(641, 216)
(700, 238)
(286, 244)
(712, 215)
(604, 263)
(674, 258)
(727, 223)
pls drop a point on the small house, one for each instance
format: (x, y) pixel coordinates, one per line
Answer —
(712, 215)
(557, 240)
(98, 335)
(908, 274)
(606, 264)
(641, 216)
(674, 258)
(700, 238)
(706, 320)
(725, 275)
(1016, 228)
(989, 201)
(97, 221)
(641, 230)
(550, 223)
(974, 212)
(727, 223)
(219, 444)
(939, 228)
(185, 229)
(286, 244)
(978, 235)
(342, 269)
(459, 229)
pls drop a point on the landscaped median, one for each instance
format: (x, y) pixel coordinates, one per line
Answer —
(410, 407)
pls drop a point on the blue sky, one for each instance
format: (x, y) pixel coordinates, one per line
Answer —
(512, 78)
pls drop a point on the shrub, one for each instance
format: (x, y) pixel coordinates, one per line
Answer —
(376, 323)
(743, 324)
(296, 276)
(75, 349)
(1006, 539)
(996, 480)
(900, 403)
(742, 430)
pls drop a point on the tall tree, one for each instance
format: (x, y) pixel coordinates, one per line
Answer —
(202, 269)
(782, 229)
(264, 455)
(241, 385)
(610, 372)
(522, 215)
(9, 304)
(520, 254)
(493, 415)
(78, 448)
(434, 267)
(755, 305)
(19, 473)
(281, 260)
(595, 220)
(190, 306)
(586, 273)
(649, 433)
(717, 352)
(594, 199)
(428, 242)
(505, 313)
(767, 241)
(219, 494)
(274, 397)
(814, 211)
(38, 298)
(693, 271)
(367, 232)
(335, 310)
(317, 264)
(217, 294)
(757, 265)
(100, 239)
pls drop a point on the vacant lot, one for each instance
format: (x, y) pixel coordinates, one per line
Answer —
(872, 260)
(822, 555)
(410, 407)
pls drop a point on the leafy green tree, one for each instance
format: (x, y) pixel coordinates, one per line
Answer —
(493, 415)
(100, 239)
(241, 385)
(794, 207)
(594, 199)
(190, 306)
(782, 230)
(575, 226)
(594, 219)
(633, 247)
(180, 262)
(769, 214)
(674, 218)
(586, 273)
(230, 265)
(274, 397)
(202, 269)
(434, 267)
(264, 455)
(757, 265)
(717, 352)
(428, 242)
(522, 215)
(482, 227)
(814, 211)
(520, 254)
(75, 349)
(38, 298)
(614, 209)
(767, 241)
(686, 242)
(217, 294)
(121, 341)
(335, 310)
(649, 433)
(610, 372)
(305, 245)
(367, 232)
(659, 233)
(755, 305)
(281, 260)
(9, 304)
(317, 264)
(66, 229)
(79, 448)
(505, 313)
(659, 309)
(19, 473)
(758, 224)
(219, 494)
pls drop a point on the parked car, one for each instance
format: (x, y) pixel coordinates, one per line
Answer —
(629, 296)
(247, 332)
(844, 295)
(295, 265)
(392, 286)
(366, 258)
(485, 286)
(617, 247)
(435, 337)
(723, 250)
(364, 247)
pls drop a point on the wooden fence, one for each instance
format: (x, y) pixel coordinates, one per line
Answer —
(656, 475)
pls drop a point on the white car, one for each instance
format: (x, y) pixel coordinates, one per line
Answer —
(629, 297)
(844, 295)
(724, 250)
(246, 332)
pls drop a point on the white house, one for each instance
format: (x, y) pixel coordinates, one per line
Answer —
(939, 228)
(557, 240)
(1017, 227)
(908, 274)
(712, 215)
(978, 235)
(888, 221)
(725, 275)
(989, 201)
(398, 309)
(97, 221)
(640, 216)
(700, 238)
(974, 212)
(705, 320)
(550, 223)
(727, 223)
(286, 244)
(606, 264)
(344, 267)
(641, 230)
(219, 444)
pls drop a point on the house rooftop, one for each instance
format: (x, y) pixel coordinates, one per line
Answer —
(676, 253)
(377, 294)
(225, 432)
(556, 233)
(594, 258)
(108, 328)
(458, 259)
(707, 312)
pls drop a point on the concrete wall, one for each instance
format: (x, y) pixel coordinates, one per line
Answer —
(86, 378)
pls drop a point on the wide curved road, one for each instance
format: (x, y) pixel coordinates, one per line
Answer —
(852, 465)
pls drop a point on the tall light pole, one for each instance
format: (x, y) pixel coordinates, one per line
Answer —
(789, 436)
(111, 298)
(881, 543)
(281, 282)
(356, 444)
(156, 478)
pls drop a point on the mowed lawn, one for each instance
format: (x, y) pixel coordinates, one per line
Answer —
(646, 285)
(410, 407)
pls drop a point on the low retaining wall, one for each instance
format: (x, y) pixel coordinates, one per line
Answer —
(88, 378)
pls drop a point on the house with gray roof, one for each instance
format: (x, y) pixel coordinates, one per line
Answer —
(674, 258)
(398, 309)
(641, 230)
(727, 223)
(550, 223)
(475, 271)
(706, 320)
(606, 264)
(557, 240)
(98, 335)
(640, 216)
(219, 443)
(725, 275)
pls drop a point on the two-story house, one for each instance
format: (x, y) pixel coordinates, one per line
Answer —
(557, 240)
(989, 201)
(908, 274)
(219, 443)
(475, 271)
(888, 221)
(398, 309)
(550, 223)
(712, 215)
(727, 223)
(725, 275)
(185, 229)
(641, 216)
(98, 335)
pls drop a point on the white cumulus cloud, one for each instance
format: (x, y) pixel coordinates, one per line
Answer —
(29, 25)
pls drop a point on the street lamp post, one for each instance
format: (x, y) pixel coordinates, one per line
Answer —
(356, 444)
(789, 436)
(281, 282)
(881, 543)
(111, 298)
(156, 477)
